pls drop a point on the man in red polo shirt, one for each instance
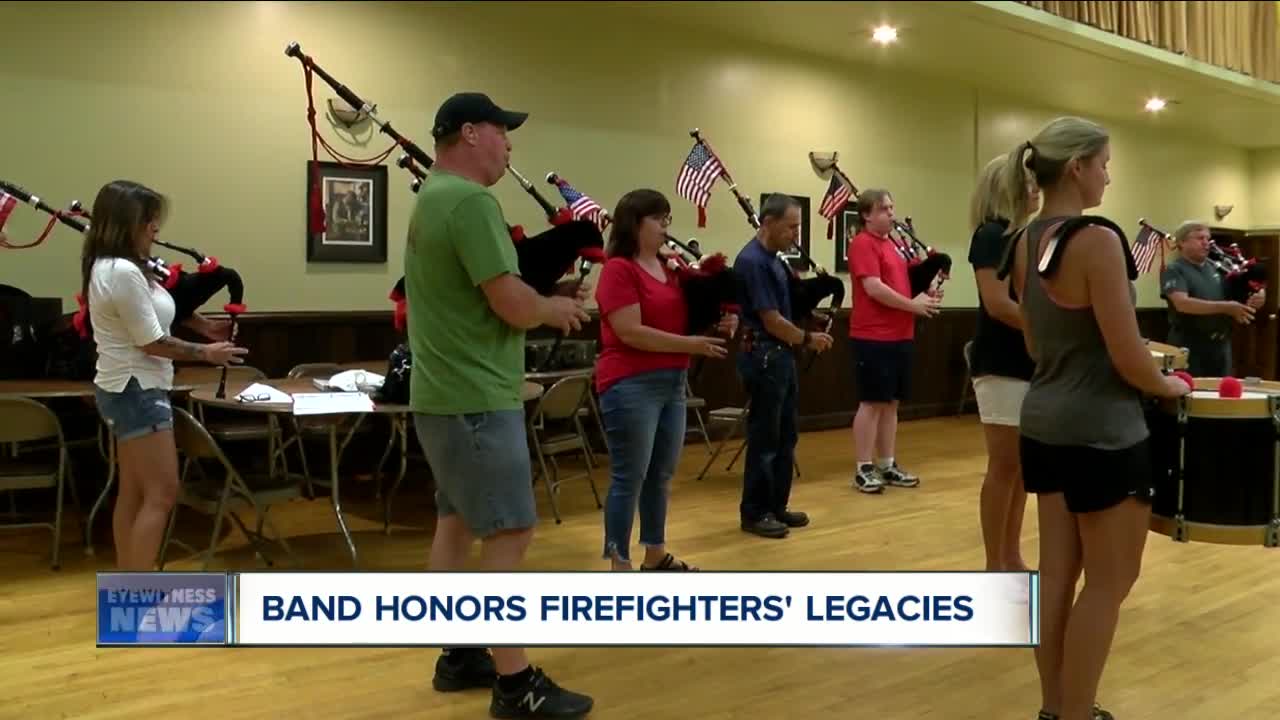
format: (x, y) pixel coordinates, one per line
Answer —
(882, 333)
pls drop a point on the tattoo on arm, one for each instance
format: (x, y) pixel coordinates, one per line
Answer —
(181, 349)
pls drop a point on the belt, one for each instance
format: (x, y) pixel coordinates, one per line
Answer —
(750, 338)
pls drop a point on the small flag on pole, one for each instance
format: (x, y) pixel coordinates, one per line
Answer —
(1147, 246)
(833, 202)
(581, 206)
(698, 174)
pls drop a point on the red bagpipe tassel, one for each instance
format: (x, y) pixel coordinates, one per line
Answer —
(81, 319)
(234, 309)
(175, 274)
(316, 207)
(209, 265)
(562, 216)
(517, 233)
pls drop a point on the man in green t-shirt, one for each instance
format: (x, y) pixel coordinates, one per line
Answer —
(468, 311)
(1200, 316)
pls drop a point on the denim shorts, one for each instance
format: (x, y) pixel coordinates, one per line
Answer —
(482, 468)
(134, 412)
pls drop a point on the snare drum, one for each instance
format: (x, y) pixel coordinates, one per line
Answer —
(1169, 357)
(1217, 465)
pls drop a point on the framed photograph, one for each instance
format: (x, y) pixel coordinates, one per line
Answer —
(792, 257)
(355, 214)
(845, 229)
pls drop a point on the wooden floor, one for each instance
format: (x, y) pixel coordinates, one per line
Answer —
(1198, 637)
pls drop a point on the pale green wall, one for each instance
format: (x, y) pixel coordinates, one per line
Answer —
(1264, 182)
(199, 101)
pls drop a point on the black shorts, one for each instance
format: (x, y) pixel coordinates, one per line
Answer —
(1089, 479)
(882, 369)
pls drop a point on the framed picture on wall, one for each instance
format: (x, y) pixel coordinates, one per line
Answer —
(844, 231)
(355, 214)
(792, 257)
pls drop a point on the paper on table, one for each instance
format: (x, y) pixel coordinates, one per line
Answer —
(331, 403)
(351, 381)
(257, 392)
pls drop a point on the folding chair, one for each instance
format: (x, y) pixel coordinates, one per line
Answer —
(25, 420)
(696, 404)
(561, 402)
(220, 499)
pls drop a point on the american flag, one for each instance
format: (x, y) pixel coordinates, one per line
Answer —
(1147, 246)
(7, 204)
(582, 207)
(837, 195)
(698, 174)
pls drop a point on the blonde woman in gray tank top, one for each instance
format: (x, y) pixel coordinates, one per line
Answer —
(1083, 433)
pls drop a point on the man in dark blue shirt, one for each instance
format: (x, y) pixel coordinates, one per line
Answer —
(767, 368)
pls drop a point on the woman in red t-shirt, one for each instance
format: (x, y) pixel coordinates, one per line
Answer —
(642, 376)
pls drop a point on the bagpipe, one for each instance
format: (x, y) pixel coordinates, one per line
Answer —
(709, 285)
(190, 290)
(1241, 277)
(806, 293)
(543, 258)
(927, 268)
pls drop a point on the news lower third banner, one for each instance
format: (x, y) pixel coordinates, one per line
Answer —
(570, 609)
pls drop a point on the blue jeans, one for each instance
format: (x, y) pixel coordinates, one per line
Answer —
(768, 372)
(644, 418)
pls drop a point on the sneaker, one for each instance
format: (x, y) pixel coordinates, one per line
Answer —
(897, 477)
(464, 669)
(767, 526)
(538, 698)
(868, 479)
(793, 519)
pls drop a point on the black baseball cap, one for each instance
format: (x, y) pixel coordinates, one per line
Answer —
(473, 107)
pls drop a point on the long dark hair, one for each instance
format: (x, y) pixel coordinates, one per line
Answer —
(632, 209)
(120, 213)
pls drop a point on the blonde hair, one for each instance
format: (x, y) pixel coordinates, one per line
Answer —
(1186, 229)
(985, 202)
(1044, 157)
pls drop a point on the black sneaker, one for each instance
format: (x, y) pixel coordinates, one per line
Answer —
(868, 479)
(898, 477)
(464, 669)
(793, 519)
(767, 526)
(538, 698)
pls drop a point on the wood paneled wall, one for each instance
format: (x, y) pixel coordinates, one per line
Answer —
(279, 341)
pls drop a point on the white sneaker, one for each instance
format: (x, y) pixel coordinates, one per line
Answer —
(868, 480)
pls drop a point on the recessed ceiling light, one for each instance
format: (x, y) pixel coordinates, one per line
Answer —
(1156, 104)
(884, 35)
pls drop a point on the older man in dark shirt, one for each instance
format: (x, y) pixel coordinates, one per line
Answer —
(767, 367)
(1200, 316)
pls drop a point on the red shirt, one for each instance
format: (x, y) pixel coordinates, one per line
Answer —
(872, 255)
(662, 306)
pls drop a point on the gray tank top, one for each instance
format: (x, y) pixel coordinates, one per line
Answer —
(1076, 396)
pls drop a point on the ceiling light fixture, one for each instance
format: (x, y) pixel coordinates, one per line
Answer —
(1156, 104)
(884, 35)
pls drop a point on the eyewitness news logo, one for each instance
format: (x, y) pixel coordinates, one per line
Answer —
(164, 609)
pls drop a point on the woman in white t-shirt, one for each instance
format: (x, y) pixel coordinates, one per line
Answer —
(130, 314)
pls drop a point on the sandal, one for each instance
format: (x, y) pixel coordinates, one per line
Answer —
(669, 564)
(1098, 714)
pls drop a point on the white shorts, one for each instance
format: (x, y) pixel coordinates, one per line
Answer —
(999, 399)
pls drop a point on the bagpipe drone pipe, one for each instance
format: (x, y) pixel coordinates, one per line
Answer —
(190, 290)
(927, 269)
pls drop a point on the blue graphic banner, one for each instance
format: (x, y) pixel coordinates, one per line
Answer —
(164, 608)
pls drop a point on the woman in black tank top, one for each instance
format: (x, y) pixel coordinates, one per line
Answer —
(999, 366)
(1092, 478)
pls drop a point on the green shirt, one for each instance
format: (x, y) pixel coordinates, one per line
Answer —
(466, 359)
(1202, 282)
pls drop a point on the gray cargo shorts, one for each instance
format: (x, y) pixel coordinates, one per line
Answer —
(482, 469)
